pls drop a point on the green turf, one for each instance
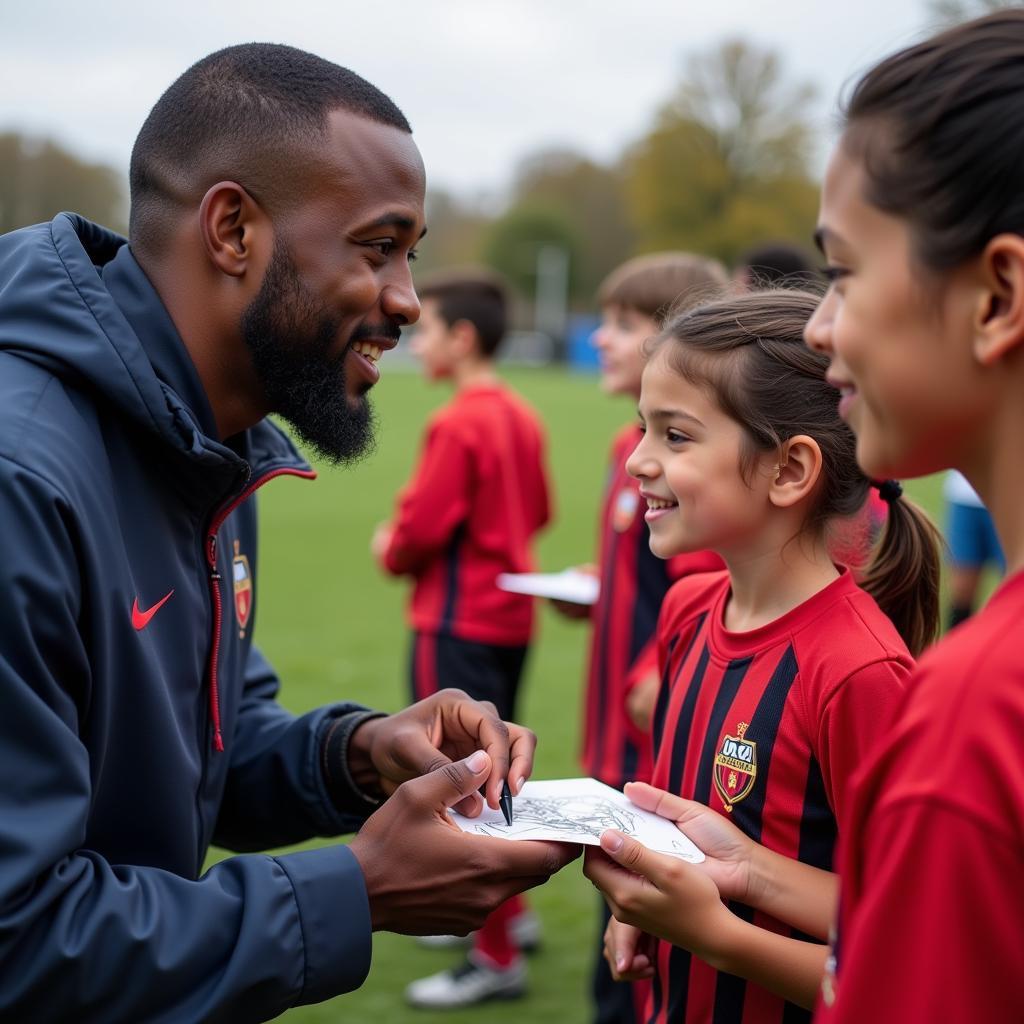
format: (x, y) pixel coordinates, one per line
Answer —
(334, 628)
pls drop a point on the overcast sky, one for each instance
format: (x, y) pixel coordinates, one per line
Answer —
(482, 81)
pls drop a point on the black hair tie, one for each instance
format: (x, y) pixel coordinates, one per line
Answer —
(888, 490)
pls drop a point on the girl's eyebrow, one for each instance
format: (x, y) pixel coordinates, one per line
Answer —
(673, 414)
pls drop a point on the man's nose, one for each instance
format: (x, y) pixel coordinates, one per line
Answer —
(399, 300)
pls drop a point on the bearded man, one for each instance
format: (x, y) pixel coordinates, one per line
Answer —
(275, 203)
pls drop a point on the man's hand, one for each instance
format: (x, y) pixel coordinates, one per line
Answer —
(424, 876)
(629, 952)
(444, 727)
(660, 895)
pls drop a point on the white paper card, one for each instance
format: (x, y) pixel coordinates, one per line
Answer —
(569, 585)
(578, 811)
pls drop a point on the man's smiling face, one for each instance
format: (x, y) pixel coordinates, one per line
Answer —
(338, 287)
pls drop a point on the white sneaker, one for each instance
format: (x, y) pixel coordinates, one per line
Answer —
(524, 931)
(470, 983)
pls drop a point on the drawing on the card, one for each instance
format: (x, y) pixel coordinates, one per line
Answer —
(590, 815)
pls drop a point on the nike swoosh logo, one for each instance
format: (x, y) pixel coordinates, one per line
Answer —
(140, 618)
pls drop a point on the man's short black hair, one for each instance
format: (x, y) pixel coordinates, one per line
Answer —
(473, 294)
(247, 114)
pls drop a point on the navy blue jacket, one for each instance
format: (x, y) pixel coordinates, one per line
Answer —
(115, 497)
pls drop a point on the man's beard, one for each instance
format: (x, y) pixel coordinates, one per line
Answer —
(289, 334)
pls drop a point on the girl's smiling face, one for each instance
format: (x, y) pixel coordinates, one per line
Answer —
(898, 335)
(689, 467)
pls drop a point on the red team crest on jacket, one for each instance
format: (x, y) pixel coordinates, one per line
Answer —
(243, 589)
(735, 767)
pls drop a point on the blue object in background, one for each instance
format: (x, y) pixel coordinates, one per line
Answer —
(582, 354)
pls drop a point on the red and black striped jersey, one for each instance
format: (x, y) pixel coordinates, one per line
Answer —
(622, 646)
(477, 497)
(766, 726)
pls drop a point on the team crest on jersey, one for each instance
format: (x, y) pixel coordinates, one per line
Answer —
(624, 509)
(242, 576)
(735, 767)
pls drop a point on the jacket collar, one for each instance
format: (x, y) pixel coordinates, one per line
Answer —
(145, 312)
(264, 447)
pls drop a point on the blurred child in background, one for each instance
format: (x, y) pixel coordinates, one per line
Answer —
(471, 510)
(622, 677)
(973, 545)
(780, 674)
(775, 264)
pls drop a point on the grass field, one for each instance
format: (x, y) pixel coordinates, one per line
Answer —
(334, 629)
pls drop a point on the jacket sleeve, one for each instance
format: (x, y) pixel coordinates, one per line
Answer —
(276, 792)
(88, 940)
(434, 502)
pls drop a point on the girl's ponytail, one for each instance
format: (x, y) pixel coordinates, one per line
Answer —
(903, 576)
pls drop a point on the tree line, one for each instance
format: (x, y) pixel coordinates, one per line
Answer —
(724, 164)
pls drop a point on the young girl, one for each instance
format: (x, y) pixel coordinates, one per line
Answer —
(622, 673)
(779, 674)
(922, 224)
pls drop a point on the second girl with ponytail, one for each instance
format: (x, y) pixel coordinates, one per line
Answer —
(778, 675)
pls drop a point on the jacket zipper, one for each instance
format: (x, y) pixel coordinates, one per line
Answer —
(215, 579)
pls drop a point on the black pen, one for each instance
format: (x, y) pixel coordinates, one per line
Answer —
(505, 802)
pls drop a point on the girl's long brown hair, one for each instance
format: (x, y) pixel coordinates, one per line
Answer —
(749, 351)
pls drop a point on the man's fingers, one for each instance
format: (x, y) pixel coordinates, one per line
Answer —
(471, 806)
(494, 738)
(450, 783)
(534, 857)
(463, 719)
(412, 753)
(524, 744)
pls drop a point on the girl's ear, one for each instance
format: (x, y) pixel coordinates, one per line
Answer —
(796, 472)
(999, 325)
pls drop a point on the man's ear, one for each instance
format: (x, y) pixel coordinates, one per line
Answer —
(796, 471)
(999, 323)
(235, 231)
